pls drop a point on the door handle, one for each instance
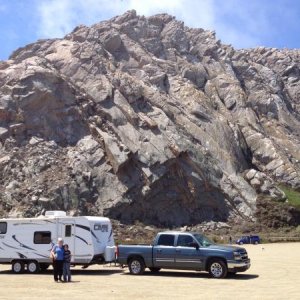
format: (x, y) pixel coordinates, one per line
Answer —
(178, 251)
(158, 250)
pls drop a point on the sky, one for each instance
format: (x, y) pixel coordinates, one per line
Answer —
(241, 23)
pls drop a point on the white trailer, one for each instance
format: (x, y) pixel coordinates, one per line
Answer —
(25, 243)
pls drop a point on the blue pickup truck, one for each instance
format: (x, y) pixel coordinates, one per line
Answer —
(184, 251)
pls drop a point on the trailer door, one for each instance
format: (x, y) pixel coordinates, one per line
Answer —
(69, 236)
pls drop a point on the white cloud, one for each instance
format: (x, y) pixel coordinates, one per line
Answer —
(3, 7)
(59, 17)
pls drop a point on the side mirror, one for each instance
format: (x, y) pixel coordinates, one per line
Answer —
(194, 245)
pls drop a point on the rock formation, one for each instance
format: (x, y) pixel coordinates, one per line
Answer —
(146, 119)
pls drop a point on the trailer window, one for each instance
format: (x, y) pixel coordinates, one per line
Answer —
(3, 227)
(42, 237)
(68, 230)
(166, 240)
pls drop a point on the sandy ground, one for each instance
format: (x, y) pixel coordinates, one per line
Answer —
(274, 274)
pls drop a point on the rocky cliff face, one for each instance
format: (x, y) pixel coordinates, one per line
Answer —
(145, 119)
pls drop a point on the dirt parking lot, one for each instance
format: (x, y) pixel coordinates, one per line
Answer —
(274, 274)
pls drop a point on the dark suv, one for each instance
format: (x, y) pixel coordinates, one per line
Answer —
(249, 239)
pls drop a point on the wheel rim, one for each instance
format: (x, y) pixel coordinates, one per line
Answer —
(135, 266)
(216, 269)
(32, 267)
(17, 267)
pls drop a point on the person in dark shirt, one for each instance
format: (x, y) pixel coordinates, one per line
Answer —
(67, 263)
(57, 255)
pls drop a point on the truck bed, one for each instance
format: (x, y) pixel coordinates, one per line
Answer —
(125, 252)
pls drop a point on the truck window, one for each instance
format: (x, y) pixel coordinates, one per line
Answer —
(166, 240)
(3, 227)
(68, 230)
(42, 237)
(185, 240)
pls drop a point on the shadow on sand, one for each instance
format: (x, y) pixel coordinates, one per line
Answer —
(196, 275)
(86, 272)
(113, 271)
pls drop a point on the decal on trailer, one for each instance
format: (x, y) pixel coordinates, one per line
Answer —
(101, 227)
(89, 230)
(22, 245)
(82, 239)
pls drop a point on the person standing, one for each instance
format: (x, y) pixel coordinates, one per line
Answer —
(57, 255)
(67, 264)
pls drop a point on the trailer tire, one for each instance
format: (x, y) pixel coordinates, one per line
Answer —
(17, 266)
(136, 266)
(33, 267)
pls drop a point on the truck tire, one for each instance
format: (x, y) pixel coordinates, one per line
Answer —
(17, 266)
(241, 243)
(256, 242)
(44, 267)
(217, 268)
(154, 270)
(33, 267)
(136, 266)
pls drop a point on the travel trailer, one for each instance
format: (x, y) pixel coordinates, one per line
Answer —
(26, 243)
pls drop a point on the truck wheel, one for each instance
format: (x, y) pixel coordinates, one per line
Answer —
(33, 267)
(256, 242)
(154, 270)
(44, 267)
(241, 243)
(136, 266)
(217, 269)
(17, 266)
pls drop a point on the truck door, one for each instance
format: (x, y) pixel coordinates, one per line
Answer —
(187, 256)
(164, 252)
(68, 234)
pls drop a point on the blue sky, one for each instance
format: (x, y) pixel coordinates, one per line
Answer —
(242, 23)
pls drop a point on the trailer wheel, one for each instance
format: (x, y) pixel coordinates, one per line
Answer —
(44, 267)
(17, 266)
(33, 266)
(136, 266)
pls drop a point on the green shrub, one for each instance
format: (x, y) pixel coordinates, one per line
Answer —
(292, 195)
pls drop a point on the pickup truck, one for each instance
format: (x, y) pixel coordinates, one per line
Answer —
(184, 251)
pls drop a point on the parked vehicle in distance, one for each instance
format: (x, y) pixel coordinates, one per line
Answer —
(25, 243)
(249, 239)
(184, 251)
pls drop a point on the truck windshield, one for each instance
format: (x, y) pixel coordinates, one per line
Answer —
(203, 240)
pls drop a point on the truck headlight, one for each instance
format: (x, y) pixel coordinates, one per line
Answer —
(237, 255)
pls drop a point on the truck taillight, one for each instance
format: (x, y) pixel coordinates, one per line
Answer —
(117, 252)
